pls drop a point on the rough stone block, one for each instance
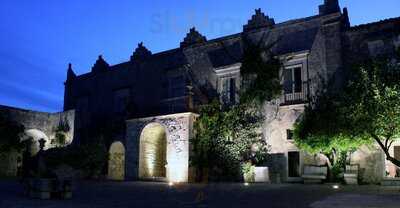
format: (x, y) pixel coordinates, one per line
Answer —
(261, 175)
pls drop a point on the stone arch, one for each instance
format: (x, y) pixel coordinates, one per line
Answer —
(35, 135)
(116, 161)
(153, 152)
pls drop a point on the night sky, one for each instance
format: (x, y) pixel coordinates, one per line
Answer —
(39, 38)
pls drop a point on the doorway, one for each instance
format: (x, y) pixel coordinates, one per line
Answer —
(293, 164)
(153, 153)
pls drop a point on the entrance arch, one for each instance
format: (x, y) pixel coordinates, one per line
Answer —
(153, 152)
(116, 161)
(35, 136)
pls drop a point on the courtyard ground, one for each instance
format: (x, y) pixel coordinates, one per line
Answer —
(145, 194)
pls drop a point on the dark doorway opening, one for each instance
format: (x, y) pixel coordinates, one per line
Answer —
(294, 164)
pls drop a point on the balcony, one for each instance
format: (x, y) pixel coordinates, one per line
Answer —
(295, 94)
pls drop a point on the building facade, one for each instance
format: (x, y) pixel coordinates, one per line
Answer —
(146, 106)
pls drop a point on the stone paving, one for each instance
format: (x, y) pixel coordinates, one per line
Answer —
(358, 201)
(145, 194)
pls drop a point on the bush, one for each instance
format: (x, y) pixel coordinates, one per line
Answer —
(90, 159)
(248, 172)
(60, 139)
(224, 140)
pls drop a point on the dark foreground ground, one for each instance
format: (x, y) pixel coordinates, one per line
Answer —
(145, 194)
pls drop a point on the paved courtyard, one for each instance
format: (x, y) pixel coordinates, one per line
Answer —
(144, 194)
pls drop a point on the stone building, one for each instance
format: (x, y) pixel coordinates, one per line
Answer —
(156, 93)
(146, 105)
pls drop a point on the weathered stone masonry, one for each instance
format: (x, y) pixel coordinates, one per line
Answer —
(38, 125)
(323, 46)
(162, 87)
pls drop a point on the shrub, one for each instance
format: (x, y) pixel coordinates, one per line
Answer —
(90, 159)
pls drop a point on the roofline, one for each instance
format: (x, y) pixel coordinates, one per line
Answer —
(6, 107)
(224, 38)
(364, 26)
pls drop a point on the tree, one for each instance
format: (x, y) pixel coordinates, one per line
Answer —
(323, 129)
(224, 139)
(260, 73)
(229, 136)
(367, 110)
(375, 111)
(10, 134)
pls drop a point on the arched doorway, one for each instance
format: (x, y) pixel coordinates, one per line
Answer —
(153, 152)
(35, 135)
(116, 161)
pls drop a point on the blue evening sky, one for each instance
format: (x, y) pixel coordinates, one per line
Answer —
(39, 38)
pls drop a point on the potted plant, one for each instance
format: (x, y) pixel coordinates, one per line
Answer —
(248, 172)
(259, 154)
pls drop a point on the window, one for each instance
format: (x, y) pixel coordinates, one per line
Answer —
(289, 134)
(228, 92)
(396, 42)
(292, 80)
(176, 86)
(121, 100)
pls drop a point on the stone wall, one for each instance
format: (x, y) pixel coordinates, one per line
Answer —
(9, 164)
(330, 45)
(371, 163)
(44, 122)
(178, 129)
(37, 125)
(391, 169)
(278, 120)
(370, 40)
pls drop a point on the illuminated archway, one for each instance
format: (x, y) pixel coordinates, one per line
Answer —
(116, 161)
(35, 135)
(153, 152)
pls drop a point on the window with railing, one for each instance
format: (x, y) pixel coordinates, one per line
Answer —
(295, 89)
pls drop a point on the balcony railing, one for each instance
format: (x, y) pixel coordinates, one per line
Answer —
(299, 96)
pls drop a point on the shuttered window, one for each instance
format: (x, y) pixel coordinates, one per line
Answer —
(292, 80)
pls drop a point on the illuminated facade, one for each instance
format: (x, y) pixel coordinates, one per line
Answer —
(158, 147)
(145, 103)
